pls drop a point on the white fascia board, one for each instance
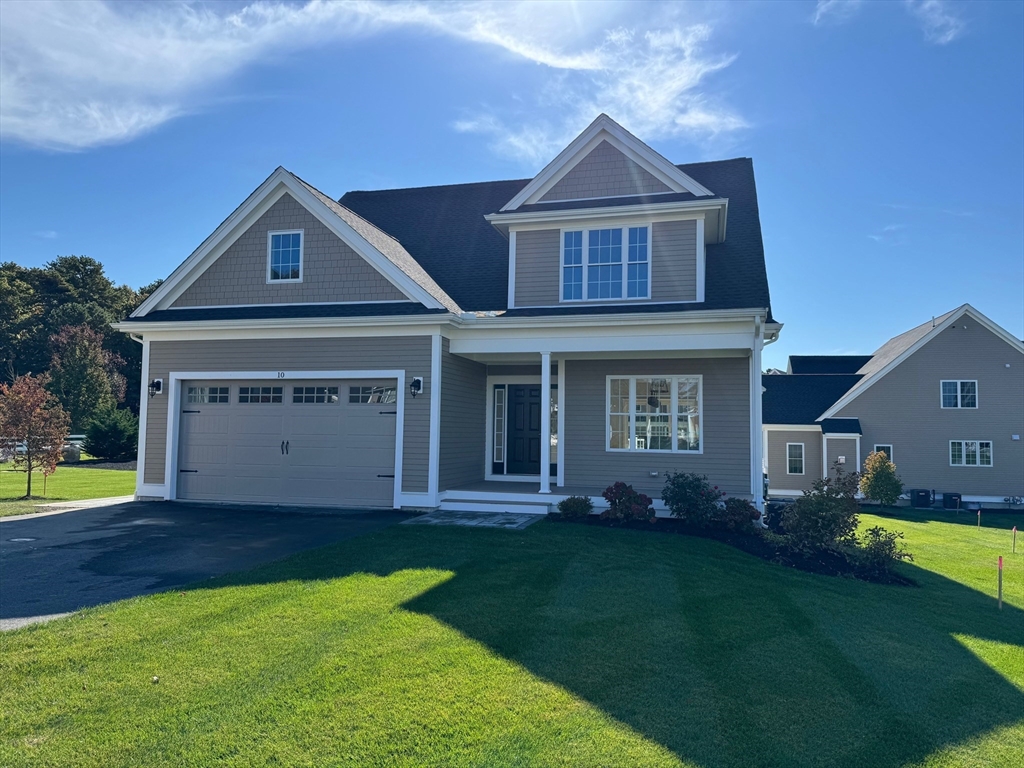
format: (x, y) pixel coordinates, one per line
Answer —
(395, 325)
(635, 319)
(603, 213)
(606, 129)
(791, 427)
(599, 343)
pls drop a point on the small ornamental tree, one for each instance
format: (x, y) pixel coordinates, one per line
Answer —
(879, 481)
(33, 419)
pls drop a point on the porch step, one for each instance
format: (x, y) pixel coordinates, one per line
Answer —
(529, 508)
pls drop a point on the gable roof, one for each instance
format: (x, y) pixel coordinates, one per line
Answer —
(899, 348)
(826, 363)
(841, 427)
(379, 249)
(604, 129)
(444, 229)
(801, 399)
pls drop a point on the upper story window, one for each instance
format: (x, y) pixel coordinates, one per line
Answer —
(959, 394)
(284, 258)
(593, 267)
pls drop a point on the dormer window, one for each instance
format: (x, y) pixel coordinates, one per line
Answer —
(284, 257)
(592, 264)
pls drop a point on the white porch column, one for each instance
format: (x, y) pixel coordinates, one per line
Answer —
(545, 422)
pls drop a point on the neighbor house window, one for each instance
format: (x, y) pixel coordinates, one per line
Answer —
(886, 449)
(660, 413)
(379, 395)
(794, 458)
(285, 259)
(970, 453)
(314, 394)
(208, 394)
(959, 394)
(609, 263)
(261, 394)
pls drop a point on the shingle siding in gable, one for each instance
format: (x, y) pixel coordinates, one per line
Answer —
(605, 172)
(332, 271)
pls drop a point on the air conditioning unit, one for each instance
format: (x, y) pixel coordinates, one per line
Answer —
(920, 498)
(952, 501)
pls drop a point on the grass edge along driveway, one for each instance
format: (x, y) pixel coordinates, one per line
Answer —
(557, 645)
(68, 483)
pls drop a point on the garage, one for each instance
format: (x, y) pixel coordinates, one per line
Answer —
(316, 442)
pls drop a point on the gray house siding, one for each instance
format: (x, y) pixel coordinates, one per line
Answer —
(841, 446)
(463, 426)
(409, 352)
(604, 172)
(903, 409)
(725, 431)
(778, 475)
(673, 264)
(331, 270)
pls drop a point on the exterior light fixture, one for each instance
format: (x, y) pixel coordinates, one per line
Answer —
(156, 386)
(416, 386)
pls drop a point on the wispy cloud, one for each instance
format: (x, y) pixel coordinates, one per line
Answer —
(887, 234)
(940, 24)
(46, 234)
(959, 212)
(65, 86)
(834, 11)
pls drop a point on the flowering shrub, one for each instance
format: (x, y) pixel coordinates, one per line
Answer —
(575, 507)
(738, 515)
(692, 498)
(625, 503)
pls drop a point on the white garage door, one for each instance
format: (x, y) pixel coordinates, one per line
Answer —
(317, 442)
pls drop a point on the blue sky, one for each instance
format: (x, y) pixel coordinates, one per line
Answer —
(888, 138)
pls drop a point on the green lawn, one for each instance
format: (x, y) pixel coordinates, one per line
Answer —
(557, 645)
(68, 483)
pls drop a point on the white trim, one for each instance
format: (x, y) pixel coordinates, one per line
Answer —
(140, 465)
(871, 380)
(837, 436)
(623, 262)
(434, 450)
(604, 197)
(545, 422)
(605, 129)
(560, 455)
(783, 492)
(963, 449)
(673, 413)
(701, 260)
(803, 459)
(891, 454)
(151, 490)
(302, 252)
(174, 412)
(791, 427)
(959, 395)
(681, 210)
(756, 454)
(512, 269)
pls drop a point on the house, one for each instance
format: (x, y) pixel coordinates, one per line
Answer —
(495, 345)
(945, 401)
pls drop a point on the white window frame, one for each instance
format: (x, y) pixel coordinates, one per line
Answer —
(963, 454)
(886, 445)
(302, 254)
(625, 262)
(959, 394)
(673, 413)
(803, 459)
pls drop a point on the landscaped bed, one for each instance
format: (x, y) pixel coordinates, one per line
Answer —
(568, 645)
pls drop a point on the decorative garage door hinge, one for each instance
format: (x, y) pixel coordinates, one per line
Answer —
(385, 475)
(190, 411)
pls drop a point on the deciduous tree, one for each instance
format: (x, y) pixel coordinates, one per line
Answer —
(83, 374)
(32, 419)
(879, 481)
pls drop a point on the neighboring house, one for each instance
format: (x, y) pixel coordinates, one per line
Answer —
(945, 400)
(492, 345)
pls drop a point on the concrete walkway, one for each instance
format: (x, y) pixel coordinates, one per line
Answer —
(508, 520)
(57, 507)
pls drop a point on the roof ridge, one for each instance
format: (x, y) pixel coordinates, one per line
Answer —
(433, 186)
(339, 204)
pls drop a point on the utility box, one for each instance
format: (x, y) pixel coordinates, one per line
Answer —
(952, 501)
(920, 498)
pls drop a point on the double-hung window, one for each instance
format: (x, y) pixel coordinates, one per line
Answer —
(959, 394)
(654, 413)
(970, 453)
(284, 257)
(794, 458)
(606, 264)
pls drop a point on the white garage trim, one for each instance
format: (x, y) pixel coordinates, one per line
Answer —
(174, 411)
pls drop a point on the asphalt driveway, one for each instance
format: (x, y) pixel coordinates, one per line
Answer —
(60, 563)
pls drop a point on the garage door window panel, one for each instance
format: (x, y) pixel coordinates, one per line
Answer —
(327, 395)
(207, 395)
(372, 395)
(261, 394)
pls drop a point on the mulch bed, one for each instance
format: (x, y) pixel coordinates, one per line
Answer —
(825, 563)
(102, 464)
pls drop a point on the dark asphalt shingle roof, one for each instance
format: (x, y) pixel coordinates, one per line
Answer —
(444, 229)
(277, 311)
(610, 202)
(791, 399)
(841, 426)
(827, 363)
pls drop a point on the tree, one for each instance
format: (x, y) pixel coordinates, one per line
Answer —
(83, 374)
(30, 416)
(879, 481)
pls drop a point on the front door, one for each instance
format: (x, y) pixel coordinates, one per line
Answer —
(524, 429)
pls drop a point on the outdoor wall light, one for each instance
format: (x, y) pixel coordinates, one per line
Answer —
(416, 386)
(156, 386)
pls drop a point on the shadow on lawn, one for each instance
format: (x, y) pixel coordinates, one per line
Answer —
(1002, 519)
(721, 658)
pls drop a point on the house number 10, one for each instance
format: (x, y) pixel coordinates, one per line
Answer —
(280, 374)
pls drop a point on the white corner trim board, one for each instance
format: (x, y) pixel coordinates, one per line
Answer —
(170, 487)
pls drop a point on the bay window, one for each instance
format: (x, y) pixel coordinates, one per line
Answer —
(654, 413)
(606, 264)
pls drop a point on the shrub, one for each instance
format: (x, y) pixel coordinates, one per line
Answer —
(575, 507)
(625, 503)
(879, 481)
(113, 434)
(826, 516)
(738, 515)
(880, 550)
(692, 498)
